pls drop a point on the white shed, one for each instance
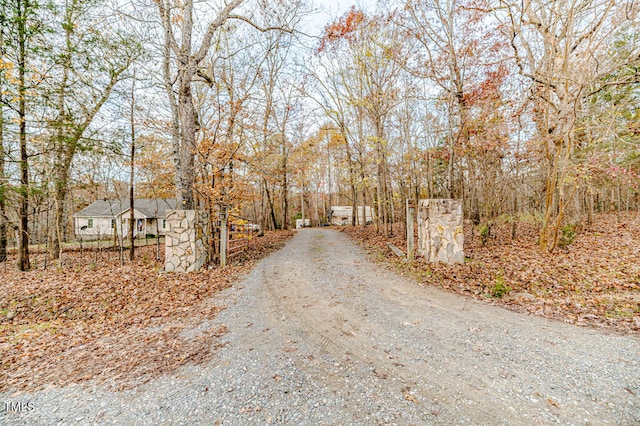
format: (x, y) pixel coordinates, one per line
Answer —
(341, 215)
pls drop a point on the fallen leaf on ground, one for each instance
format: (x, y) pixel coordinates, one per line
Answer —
(96, 320)
(552, 402)
(410, 397)
(595, 281)
(379, 374)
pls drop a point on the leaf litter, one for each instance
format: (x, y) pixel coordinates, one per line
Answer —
(595, 281)
(95, 320)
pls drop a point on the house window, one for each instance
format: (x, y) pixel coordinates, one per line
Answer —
(90, 223)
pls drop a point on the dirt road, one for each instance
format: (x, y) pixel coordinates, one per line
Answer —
(320, 335)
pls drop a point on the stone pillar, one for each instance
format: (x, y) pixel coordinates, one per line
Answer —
(440, 231)
(186, 241)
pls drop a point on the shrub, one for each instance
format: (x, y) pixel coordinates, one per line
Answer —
(567, 235)
(485, 231)
(500, 288)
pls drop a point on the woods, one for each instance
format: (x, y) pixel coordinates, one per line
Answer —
(524, 112)
(154, 152)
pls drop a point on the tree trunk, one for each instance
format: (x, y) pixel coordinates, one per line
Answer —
(364, 206)
(302, 205)
(188, 129)
(383, 199)
(56, 231)
(3, 231)
(3, 215)
(330, 185)
(175, 121)
(3, 189)
(285, 186)
(187, 61)
(272, 213)
(132, 172)
(352, 174)
(23, 249)
(514, 217)
(590, 204)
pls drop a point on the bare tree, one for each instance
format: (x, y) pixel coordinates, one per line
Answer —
(331, 93)
(183, 55)
(370, 44)
(180, 52)
(561, 49)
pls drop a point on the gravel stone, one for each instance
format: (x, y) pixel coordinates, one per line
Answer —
(319, 335)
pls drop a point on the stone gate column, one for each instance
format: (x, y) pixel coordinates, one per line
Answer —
(186, 240)
(440, 231)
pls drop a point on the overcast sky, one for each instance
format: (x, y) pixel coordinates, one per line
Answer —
(329, 10)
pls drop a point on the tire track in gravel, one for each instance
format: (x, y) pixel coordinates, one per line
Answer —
(459, 358)
(352, 336)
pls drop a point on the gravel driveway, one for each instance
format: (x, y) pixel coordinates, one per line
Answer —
(320, 335)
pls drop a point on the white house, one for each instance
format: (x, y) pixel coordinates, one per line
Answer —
(101, 218)
(341, 215)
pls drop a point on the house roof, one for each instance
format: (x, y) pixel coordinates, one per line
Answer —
(150, 207)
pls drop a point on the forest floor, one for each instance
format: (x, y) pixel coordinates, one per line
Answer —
(320, 335)
(95, 319)
(594, 281)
